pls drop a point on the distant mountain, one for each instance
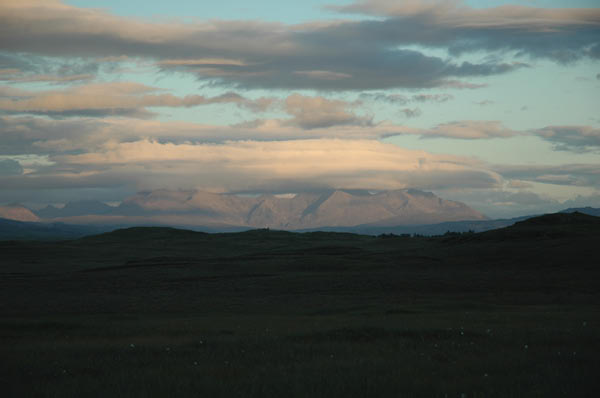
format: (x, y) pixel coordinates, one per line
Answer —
(19, 230)
(336, 208)
(73, 209)
(591, 211)
(17, 212)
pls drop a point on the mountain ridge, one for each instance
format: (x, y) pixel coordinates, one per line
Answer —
(343, 208)
(11, 229)
(18, 212)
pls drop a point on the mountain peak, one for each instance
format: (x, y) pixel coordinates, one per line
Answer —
(17, 212)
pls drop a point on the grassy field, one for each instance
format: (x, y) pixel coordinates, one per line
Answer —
(153, 312)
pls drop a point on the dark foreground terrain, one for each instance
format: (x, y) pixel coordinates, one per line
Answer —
(154, 312)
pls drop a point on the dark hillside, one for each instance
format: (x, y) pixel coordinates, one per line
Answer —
(549, 225)
(271, 313)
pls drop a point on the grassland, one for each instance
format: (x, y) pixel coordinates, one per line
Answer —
(153, 312)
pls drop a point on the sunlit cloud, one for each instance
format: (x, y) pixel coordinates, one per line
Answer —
(120, 104)
(106, 99)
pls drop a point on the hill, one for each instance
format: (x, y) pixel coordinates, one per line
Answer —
(554, 225)
(585, 210)
(265, 312)
(19, 230)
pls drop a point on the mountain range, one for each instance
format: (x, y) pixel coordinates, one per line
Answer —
(336, 208)
(390, 212)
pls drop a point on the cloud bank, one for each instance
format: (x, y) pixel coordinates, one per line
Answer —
(369, 53)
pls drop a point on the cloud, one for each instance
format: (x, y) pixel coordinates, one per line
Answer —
(592, 200)
(316, 112)
(537, 32)
(39, 135)
(484, 102)
(462, 85)
(29, 68)
(323, 74)
(202, 62)
(16, 78)
(415, 112)
(113, 99)
(432, 97)
(270, 165)
(10, 167)
(571, 138)
(242, 166)
(518, 184)
(470, 130)
(500, 203)
(579, 175)
(369, 54)
(398, 99)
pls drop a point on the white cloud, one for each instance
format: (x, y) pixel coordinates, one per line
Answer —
(272, 165)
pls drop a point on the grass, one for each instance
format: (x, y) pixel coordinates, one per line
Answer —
(157, 312)
(483, 354)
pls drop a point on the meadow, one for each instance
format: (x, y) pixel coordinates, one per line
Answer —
(153, 312)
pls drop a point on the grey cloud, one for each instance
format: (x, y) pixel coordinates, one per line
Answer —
(18, 62)
(48, 78)
(432, 97)
(368, 54)
(459, 85)
(571, 138)
(398, 99)
(25, 68)
(98, 113)
(592, 200)
(40, 136)
(518, 184)
(112, 99)
(583, 175)
(598, 76)
(563, 35)
(470, 130)
(415, 112)
(312, 117)
(318, 112)
(20, 135)
(372, 67)
(484, 102)
(10, 167)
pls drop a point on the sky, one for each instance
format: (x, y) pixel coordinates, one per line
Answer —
(493, 103)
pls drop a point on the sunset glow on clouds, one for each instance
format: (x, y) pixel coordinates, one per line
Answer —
(497, 106)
